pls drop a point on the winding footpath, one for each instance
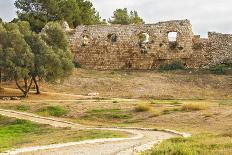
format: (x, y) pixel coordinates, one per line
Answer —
(141, 139)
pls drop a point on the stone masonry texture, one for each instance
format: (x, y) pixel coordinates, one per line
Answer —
(114, 47)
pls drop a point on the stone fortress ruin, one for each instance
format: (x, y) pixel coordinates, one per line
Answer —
(108, 47)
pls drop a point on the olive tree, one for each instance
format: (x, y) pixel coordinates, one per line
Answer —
(19, 59)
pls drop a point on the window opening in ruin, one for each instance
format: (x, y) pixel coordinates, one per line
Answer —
(172, 36)
(112, 37)
(85, 40)
(143, 42)
(144, 38)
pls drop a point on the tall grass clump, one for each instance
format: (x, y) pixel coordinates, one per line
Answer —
(194, 106)
(142, 107)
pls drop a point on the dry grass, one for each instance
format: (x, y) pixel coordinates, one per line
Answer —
(142, 107)
(199, 144)
(132, 84)
(194, 106)
(156, 112)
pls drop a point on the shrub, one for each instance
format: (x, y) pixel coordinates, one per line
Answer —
(141, 107)
(175, 65)
(219, 69)
(77, 64)
(194, 106)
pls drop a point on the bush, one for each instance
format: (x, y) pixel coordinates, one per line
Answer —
(142, 107)
(194, 106)
(219, 69)
(175, 65)
(77, 64)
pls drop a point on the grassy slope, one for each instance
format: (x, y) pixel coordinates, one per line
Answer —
(16, 133)
(137, 84)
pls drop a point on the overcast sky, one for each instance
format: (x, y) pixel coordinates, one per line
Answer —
(205, 15)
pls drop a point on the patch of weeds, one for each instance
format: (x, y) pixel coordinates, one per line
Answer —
(106, 114)
(120, 116)
(225, 103)
(169, 111)
(201, 144)
(22, 107)
(156, 113)
(175, 65)
(142, 107)
(219, 69)
(132, 121)
(194, 106)
(55, 111)
(165, 102)
(104, 110)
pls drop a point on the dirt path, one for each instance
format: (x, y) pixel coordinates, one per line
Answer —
(141, 140)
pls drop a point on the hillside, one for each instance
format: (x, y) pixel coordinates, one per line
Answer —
(147, 84)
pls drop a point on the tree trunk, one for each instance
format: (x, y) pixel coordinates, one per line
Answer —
(27, 87)
(36, 86)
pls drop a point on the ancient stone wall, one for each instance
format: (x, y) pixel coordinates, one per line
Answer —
(145, 46)
(219, 48)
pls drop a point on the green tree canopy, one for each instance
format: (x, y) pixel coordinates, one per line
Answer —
(39, 12)
(55, 37)
(121, 16)
(18, 58)
(28, 57)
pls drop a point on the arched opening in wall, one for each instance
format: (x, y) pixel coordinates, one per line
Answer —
(112, 37)
(85, 40)
(172, 38)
